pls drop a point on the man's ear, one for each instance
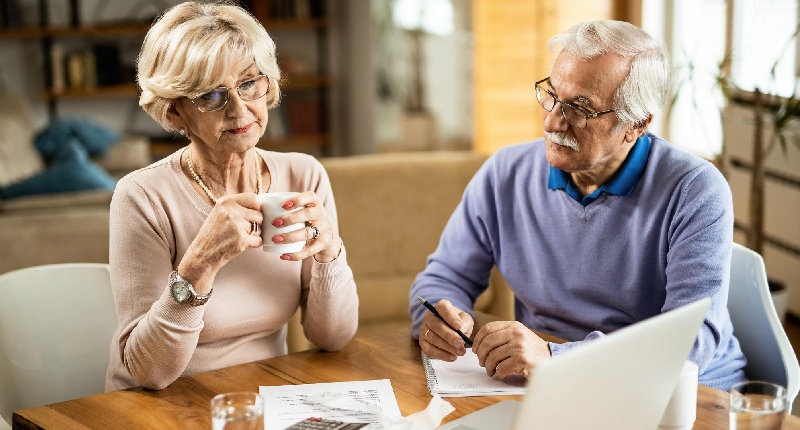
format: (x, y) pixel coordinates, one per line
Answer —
(638, 129)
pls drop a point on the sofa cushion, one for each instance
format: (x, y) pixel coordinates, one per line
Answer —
(19, 158)
(392, 209)
(56, 201)
(71, 171)
(94, 138)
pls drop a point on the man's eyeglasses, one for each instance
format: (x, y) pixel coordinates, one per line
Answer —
(576, 115)
(249, 89)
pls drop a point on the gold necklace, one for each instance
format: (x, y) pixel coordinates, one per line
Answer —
(202, 184)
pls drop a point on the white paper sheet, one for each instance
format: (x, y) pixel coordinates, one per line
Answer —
(356, 401)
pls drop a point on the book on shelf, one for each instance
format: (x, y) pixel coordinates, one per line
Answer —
(108, 65)
(11, 13)
(58, 80)
(75, 72)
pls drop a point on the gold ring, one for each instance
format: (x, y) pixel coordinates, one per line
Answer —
(426, 335)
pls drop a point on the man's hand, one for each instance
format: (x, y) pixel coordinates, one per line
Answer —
(508, 347)
(437, 340)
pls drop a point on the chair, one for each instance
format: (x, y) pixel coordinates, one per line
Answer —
(56, 325)
(769, 354)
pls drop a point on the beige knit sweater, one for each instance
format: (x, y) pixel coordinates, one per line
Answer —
(155, 215)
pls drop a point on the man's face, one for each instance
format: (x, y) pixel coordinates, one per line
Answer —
(590, 84)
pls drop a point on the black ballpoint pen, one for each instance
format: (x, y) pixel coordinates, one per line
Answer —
(433, 310)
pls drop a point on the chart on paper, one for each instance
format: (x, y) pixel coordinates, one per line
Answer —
(357, 401)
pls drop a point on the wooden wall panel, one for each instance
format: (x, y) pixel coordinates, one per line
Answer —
(510, 54)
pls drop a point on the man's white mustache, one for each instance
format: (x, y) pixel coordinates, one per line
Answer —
(563, 139)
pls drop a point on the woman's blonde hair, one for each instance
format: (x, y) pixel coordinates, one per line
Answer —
(192, 46)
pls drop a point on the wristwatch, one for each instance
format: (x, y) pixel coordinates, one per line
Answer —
(183, 292)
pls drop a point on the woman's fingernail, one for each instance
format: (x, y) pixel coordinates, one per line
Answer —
(278, 222)
(285, 257)
(287, 204)
(277, 239)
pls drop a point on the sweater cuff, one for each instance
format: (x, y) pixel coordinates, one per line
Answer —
(560, 348)
(181, 314)
(328, 273)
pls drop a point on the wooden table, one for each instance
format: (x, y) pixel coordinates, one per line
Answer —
(185, 403)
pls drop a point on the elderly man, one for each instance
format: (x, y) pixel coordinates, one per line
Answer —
(595, 227)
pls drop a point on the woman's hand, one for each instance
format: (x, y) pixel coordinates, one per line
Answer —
(226, 233)
(326, 246)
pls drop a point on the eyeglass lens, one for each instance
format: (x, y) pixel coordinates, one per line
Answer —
(249, 89)
(548, 102)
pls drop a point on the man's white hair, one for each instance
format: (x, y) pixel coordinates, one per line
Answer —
(644, 90)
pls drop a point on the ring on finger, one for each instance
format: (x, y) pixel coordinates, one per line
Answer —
(253, 227)
(315, 232)
(426, 335)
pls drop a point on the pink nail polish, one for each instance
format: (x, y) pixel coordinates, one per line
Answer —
(277, 239)
(285, 257)
(278, 222)
(287, 204)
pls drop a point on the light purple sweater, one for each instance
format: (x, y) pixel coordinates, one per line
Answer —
(579, 272)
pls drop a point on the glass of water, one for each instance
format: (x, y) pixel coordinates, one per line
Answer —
(237, 411)
(757, 405)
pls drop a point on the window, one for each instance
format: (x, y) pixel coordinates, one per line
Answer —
(696, 31)
(763, 34)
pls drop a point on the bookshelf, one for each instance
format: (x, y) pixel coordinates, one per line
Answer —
(72, 69)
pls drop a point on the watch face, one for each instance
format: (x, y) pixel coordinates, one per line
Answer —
(180, 291)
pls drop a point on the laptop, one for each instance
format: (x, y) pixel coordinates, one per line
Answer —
(622, 381)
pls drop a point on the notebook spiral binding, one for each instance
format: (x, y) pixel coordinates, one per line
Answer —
(430, 374)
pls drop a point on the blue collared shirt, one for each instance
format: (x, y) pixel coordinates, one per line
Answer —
(621, 184)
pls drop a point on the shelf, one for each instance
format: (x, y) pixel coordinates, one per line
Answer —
(125, 29)
(80, 31)
(122, 90)
(299, 82)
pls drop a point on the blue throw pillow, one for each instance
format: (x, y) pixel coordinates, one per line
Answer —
(93, 137)
(71, 171)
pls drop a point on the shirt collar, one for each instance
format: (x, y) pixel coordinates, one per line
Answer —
(621, 184)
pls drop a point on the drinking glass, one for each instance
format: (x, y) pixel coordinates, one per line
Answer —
(757, 405)
(237, 411)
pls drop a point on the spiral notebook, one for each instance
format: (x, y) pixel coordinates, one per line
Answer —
(465, 377)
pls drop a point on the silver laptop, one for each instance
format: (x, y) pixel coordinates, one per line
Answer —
(622, 381)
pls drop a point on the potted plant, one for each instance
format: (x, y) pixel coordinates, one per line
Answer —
(775, 117)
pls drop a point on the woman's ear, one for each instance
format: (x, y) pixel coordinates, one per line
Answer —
(175, 119)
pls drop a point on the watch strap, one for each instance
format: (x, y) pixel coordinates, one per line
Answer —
(194, 299)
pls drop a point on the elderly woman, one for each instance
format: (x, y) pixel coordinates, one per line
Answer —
(192, 220)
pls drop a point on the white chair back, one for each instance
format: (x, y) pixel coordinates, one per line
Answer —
(769, 354)
(56, 325)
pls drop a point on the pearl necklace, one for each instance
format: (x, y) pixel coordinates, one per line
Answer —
(202, 184)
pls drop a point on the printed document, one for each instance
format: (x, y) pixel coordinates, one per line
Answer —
(356, 401)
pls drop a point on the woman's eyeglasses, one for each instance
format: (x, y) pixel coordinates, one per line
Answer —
(249, 89)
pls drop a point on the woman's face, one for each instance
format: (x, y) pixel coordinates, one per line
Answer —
(236, 127)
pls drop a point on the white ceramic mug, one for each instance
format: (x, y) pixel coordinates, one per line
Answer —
(682, 407)
(271, 208)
